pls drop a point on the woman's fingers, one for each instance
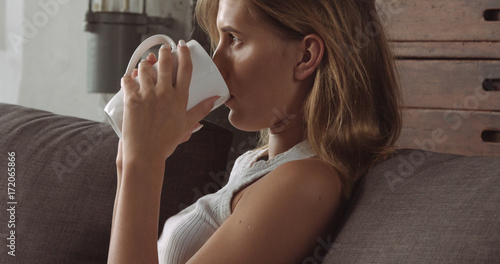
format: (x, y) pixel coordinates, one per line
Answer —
(199, 111)
(151, 58)
(197, 127)
(146, 78)
(129, 85)
(165, 68)
(184, 71)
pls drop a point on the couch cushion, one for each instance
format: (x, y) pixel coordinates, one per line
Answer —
(66, 181)
(422, 207)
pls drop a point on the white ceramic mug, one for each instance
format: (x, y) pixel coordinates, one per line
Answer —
(206, 80)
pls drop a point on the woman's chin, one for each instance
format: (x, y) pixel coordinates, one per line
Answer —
(241, 123)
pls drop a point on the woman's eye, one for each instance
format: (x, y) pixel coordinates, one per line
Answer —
(234, 39)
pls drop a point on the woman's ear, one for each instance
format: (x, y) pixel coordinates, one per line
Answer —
(313, 48)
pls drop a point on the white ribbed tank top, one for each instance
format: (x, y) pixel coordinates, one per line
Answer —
(186, 232)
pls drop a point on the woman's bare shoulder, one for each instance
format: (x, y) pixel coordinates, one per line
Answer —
(309, 180)
(308, 175)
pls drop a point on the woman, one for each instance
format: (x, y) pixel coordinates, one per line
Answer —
(326, 102)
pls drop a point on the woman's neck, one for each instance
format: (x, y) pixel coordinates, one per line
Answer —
(284, 139)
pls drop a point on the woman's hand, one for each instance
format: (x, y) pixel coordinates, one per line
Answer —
(155, 117)
(119, 157)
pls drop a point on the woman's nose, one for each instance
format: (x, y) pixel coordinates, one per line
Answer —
(221, 63)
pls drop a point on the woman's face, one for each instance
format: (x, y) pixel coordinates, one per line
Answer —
(258, 67)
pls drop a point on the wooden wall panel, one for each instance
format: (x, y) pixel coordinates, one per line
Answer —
(452, 84)
(446, 50)
(441, 20)
(448, 131)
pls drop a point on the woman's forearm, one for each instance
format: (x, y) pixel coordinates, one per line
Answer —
(118, 181)
(119, 162)
(136, 213)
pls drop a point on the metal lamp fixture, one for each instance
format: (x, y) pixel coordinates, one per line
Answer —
(115, 29)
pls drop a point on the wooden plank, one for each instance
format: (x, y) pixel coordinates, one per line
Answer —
(443, 20)
(446, 50)
(450, 84)
(457, 132)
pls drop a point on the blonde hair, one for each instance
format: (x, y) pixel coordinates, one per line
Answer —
(352, 113)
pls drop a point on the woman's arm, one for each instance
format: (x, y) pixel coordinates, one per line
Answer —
(119, 157)
(135, 227)
(155, 122)
(279, 218)
(118, 182)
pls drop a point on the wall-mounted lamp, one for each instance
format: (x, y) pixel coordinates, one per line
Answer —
(115, 29)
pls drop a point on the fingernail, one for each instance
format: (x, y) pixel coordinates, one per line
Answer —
(182, 43)
(196, 129)
(134, 72)
(165, 46)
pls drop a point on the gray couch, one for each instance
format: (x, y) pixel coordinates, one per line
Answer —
(416, 207)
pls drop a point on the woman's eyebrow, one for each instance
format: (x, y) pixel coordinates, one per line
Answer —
(230, 29)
